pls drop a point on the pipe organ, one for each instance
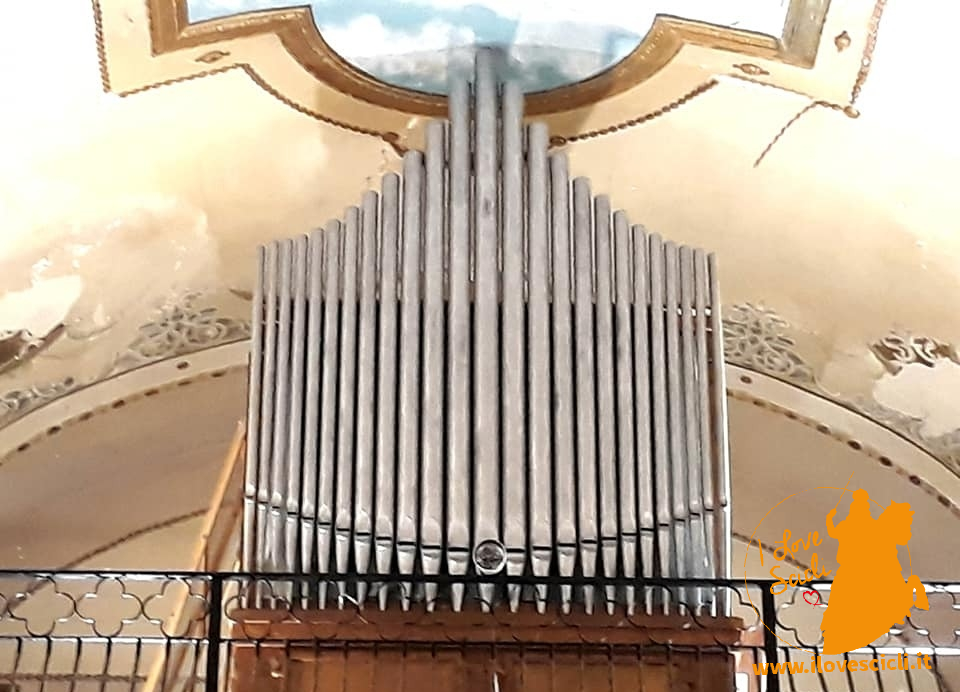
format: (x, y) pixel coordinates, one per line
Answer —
(485, 370)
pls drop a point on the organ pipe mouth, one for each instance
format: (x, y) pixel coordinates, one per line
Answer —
(485, 370)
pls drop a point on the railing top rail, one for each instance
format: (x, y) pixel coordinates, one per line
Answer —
(150, 575)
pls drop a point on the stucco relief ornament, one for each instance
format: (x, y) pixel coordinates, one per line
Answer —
(899, 349)
(19, 402)
(179, 329)
(757, 338)
(15, 347)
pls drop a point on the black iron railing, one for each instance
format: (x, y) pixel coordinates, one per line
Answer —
(180, 631)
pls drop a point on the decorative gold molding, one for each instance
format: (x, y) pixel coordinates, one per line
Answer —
(172, 31)
(391, 138)
(560, 140)
(101, 44)
(866, 59)
(147, 44)
(208, 58)
(842, 42)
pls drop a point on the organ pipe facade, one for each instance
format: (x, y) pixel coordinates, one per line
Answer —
(484, 369)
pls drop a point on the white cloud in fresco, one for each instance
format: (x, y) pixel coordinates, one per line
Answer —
(199, 10)
(367, 37)
(425, 60)
(766, 16)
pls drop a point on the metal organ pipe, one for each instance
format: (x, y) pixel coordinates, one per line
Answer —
(481, 369)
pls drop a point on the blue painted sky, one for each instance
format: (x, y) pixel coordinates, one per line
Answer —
(408, 17)
(420, 44)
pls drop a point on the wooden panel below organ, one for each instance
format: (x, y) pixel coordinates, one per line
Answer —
(473, 651)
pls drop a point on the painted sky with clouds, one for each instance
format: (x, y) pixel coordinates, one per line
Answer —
(420, 44)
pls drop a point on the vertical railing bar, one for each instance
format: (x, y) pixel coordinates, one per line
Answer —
(907, 674)
(771, 650)
(849, 674)
(876, 674)
(77, 658)
(214, 637)
(941, 683)
(164, 675)
(791, 680)
(46, 664)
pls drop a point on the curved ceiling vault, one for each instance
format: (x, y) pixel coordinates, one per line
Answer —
(150, 145)
(147, 451)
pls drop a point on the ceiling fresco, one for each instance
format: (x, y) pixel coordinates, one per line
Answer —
(368, 67)
(423, 45)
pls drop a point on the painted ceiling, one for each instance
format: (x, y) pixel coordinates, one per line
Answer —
(422, 45)
(150, 145)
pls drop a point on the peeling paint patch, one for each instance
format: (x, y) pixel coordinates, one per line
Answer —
(929, 392)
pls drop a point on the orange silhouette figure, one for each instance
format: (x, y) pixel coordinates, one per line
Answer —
(868, 595)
